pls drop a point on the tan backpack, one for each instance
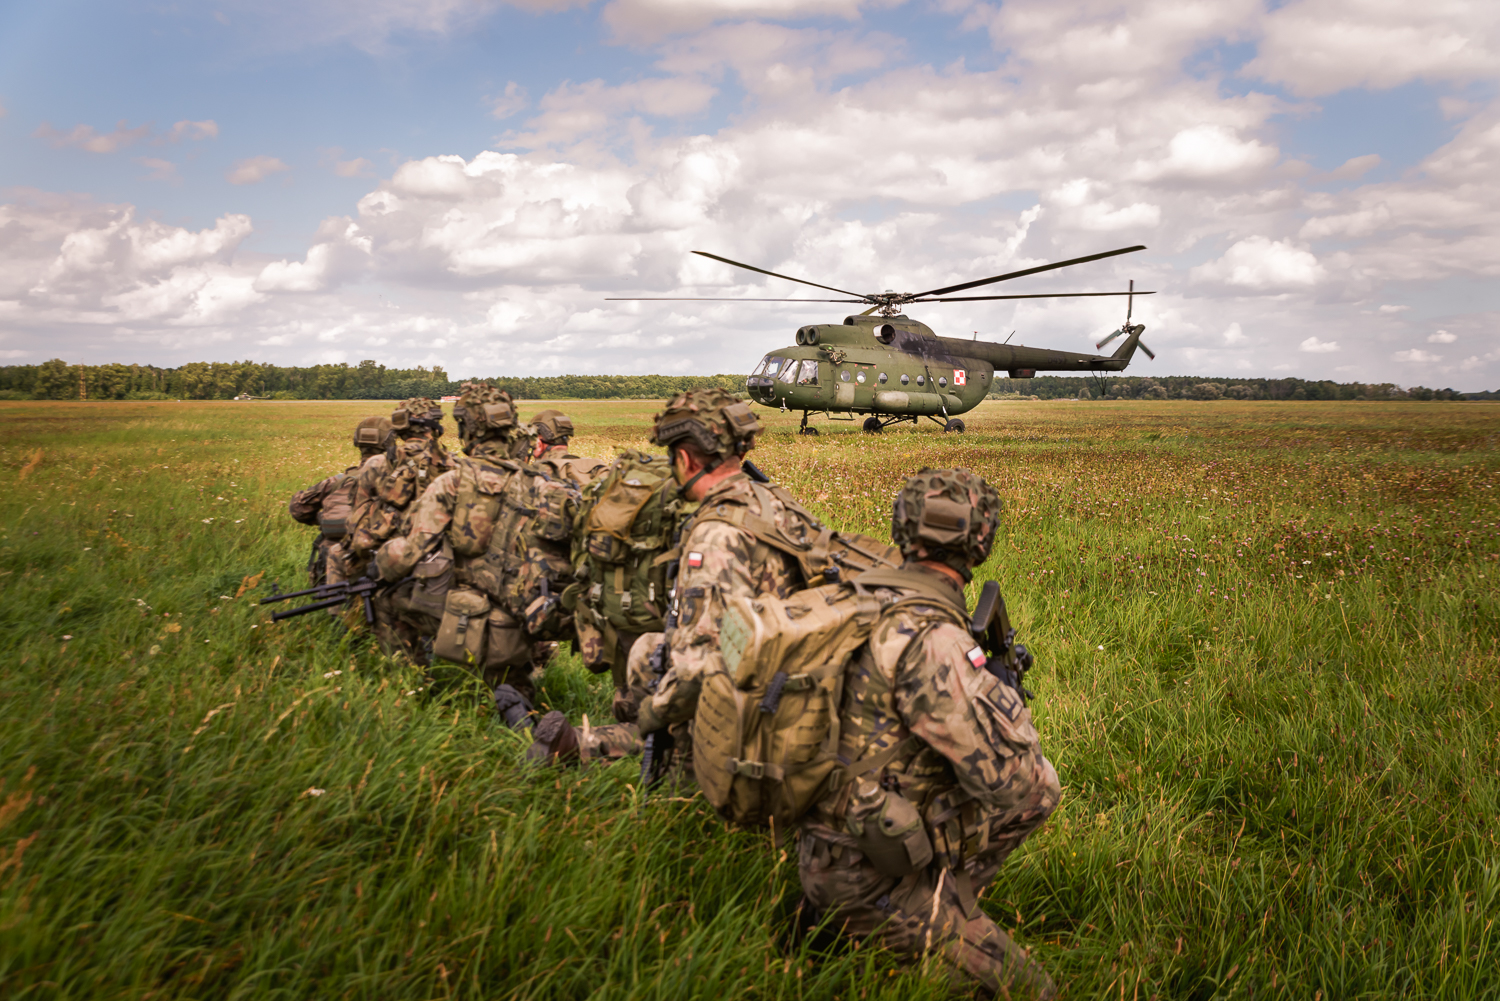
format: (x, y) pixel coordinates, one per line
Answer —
(824, 555)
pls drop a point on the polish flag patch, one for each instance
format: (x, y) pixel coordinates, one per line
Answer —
(695, 560)
(977, 658)
(960, 377)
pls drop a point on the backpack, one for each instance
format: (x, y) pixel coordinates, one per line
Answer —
(823, 555)
(527, 566)
(766, 730)
(622, 535)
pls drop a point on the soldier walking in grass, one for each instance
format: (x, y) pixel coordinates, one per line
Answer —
(554, 429)
(476, 541)
(746, 537)
(926, 731)
(329, 504)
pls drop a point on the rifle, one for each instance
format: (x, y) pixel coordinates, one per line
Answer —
(330, 596)
(753, 471)
(656, 748)
(1007, 660)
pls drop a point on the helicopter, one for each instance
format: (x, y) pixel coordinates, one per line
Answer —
(894, 369)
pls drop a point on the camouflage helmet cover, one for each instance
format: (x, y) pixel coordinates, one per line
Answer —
(553, 426)
(482, 411)
(719, 423)
(951, 513)
(419, 411)
(371, 433)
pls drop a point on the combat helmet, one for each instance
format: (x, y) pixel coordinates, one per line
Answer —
(952, 514)
(370, 434)
(553, 426)
(720, 424)
(483, 412)
(419, 412)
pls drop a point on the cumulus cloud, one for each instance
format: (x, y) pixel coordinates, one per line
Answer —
(1416, 355)
(1441, 337)
(371, 25)
(1262, 264)
(206, 129)
(510, 101)
(160, 170)
(649, 20)
(255, 169)
(84, 137)
(1314, 346)
(1234, 335)
(1321, 46)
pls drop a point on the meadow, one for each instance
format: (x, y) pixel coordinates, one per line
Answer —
(1266, 642)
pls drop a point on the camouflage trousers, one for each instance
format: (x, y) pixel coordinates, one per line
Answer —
(935, 911)
(399, 627)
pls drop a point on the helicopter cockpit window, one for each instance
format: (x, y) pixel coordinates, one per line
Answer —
(788, 373)
(768, 365)
(809, 374)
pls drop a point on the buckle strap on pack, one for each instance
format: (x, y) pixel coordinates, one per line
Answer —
(756, 770)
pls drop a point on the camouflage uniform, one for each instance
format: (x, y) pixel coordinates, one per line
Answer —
(386, 489)
(718, 561)
(453, 524)
(554, 429)
(963, 750)
(329, 504)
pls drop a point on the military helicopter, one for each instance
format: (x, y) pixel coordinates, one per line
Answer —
(895, 369)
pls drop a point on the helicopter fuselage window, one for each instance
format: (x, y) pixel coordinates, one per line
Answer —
(921, 380)
(860, 378)
(844, 375)
(883, 378)
(905, 379)
(788, 373)
(943, 381)
(809, 376)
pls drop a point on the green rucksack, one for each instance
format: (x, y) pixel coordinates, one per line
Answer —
(622, 539)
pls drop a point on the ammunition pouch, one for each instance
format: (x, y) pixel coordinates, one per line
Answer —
(334, 528)
(434, 579)
(508, 645)
(462, 634)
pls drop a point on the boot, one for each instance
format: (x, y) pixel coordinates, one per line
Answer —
(513, 707)
(556, 741)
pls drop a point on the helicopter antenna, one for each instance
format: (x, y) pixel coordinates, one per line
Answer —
(1007, 339)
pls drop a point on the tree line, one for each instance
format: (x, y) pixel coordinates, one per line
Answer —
(1184, 387)
(57, 380)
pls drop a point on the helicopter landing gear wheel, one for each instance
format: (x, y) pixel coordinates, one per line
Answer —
(873, 426)
(954, 425)
(807, 430)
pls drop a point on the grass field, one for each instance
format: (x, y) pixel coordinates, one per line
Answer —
(1266, 638)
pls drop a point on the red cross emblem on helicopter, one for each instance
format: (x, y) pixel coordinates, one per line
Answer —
(960, 377)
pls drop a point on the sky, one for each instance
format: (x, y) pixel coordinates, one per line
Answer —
(466, 183)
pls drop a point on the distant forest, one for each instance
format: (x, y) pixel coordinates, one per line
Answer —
(57, 380)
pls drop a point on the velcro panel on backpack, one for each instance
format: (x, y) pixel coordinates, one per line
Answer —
(766, 728)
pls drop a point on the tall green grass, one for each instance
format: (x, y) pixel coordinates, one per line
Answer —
(1266, 642)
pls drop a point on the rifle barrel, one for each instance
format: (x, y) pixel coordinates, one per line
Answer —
(304, 609)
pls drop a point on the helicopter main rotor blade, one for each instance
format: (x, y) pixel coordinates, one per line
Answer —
(678, 298)
(1039, 295)
(763, 271)
(1018, 274)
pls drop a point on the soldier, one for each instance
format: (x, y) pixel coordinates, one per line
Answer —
(554, 429)
(932, 734)
(388, 485)
(329, 504)
(448, 545)
(723, 552)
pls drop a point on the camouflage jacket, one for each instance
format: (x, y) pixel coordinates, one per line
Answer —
(384, 494)
(329, 503)
(558, 463)
(717, 561)
(970, 747)
(461, 506)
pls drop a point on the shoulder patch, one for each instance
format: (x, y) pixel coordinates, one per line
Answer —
(977, 658)
(695, 560)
